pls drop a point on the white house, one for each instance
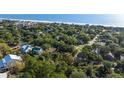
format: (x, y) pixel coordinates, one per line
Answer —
(26, 48)
(9, 60)
(122, 57)
(4, 75)
(1, 27)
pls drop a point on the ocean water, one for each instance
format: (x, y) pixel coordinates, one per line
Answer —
(98, 19)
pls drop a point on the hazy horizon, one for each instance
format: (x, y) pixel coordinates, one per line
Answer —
(92, 19)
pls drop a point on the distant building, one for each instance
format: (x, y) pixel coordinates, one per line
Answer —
(122, 57)
(104, 40)
(59, 37)
(101, 43)
(1, 27)
(109, 57)
(96, 51)
(9, 61)
(40, 32)
(26, 48)
(80, 57)
(116, 32)
(80, 41)
(51, 50)
(37, 50)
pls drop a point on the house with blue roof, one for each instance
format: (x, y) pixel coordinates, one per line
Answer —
(9, 61)
(1, 65)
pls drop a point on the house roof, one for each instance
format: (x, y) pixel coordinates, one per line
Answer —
(109, 56)
(14, 57)
(10, 57)
(1, 64)
(25, 48)
(37, 49)
(51, 50)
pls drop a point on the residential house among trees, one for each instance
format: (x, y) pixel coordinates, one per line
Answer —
(37, 50)
(26, 48)
(122, 57)
(109, 57)
(9, 61)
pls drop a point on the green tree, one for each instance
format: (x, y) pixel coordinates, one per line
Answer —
(104, 71)
(78, 74)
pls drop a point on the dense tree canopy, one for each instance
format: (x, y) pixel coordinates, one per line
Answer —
(67, 52)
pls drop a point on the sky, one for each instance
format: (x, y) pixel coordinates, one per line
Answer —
(96, 19)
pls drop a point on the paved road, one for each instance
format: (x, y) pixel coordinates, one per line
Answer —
(89, 43)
